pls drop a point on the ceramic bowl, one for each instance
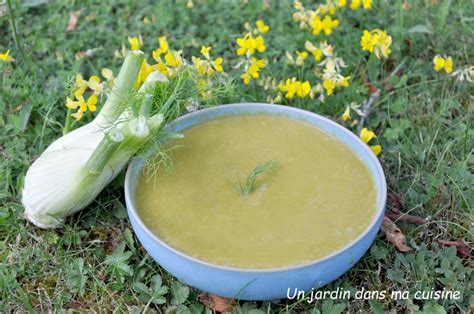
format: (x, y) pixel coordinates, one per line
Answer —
(260, 284)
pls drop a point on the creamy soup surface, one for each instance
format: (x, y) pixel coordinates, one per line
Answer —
(318, 198)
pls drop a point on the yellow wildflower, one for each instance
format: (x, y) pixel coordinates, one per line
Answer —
(342, 3)
(164, 47)
(366, 135)
(107, 74)
(70, 104)
(376, 149)
(217, 64)
(190, 4)
(329, 86)
(293, 87)
(91, 103)
(94, 84)
(355, 4)
(135, 43)
(367, 4)
(145, 70)
(5, 57)
(80, 82)
(78, 115)
(315, 51)
(173, 59)
(248, 44)
(443, 63)
(205, 51)
(253, 70)
(262, 27)
(347, 114)
(301, 57)
(376, 41)
(326, 25)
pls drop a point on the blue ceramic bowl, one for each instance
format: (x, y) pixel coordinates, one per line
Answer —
(260, 284)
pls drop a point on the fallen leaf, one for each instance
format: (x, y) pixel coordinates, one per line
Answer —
(73, 18)
(394, 205)
(394, 235)
(88, 53)
(217, 303)
(372, 89)
(462, 247)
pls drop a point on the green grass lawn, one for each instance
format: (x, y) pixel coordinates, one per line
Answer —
(423, 121)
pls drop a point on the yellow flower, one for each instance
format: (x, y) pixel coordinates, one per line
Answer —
(301, 57)
(107, 74)
(293, 87)
(205, 51)
(329, 86)
(326, 25)
(94, 84)
(366, 135)
(288, 87)
(355, 4)
(5, 57)
(302, 89)
(246, 78)
(82, 104)
(91, 103)
(80, 82)
(442, 63)
(145, 70)
(376, 41)
(347, 114)
(376, 149)
(342, 3)
(173, 59)
(135, 43)
(253, 70)
(79, 92)
(248, 44)
(262, 27)
(367, 4)
(217, 64)
(78, 115)
(70, 104)
(315, 51)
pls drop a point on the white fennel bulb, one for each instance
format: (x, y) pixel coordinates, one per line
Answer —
(75, 168)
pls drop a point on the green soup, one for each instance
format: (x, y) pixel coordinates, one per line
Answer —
(318, 199)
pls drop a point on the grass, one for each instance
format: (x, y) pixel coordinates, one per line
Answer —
(423, 120)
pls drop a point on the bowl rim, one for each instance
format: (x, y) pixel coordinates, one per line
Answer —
(380, 205)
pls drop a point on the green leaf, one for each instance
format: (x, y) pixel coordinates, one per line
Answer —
(180, 293)
(443, 11)
(433, 308)
(420, 29)
(373, 68)
(77, 278)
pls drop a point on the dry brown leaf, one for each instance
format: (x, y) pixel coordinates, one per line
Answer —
(73, 18)
(217, 303)
(394, 235)
(394, 205)
(462, 247)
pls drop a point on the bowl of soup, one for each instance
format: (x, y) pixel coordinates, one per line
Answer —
(305, 221)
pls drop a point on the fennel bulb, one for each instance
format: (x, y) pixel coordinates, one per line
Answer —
(75, 168)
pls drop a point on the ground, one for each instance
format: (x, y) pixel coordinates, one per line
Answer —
(423, 121)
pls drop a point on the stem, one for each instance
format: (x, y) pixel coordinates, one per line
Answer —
(366, 109)
(104, 151)
(123, 85)
(67, 124)
(13, 25)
